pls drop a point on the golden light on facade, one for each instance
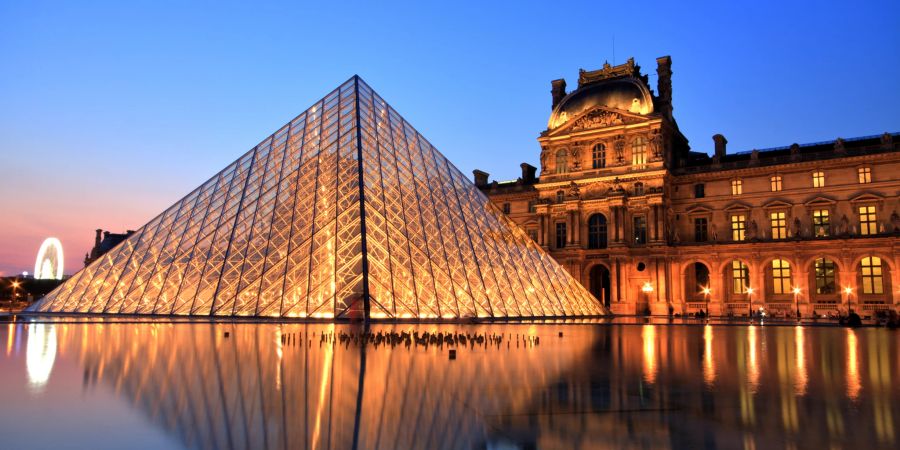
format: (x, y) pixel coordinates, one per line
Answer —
(647, 287)
(390, 229)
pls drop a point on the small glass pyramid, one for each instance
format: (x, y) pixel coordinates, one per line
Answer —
(345, 212)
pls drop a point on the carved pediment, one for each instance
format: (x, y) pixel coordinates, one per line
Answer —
(777, 204)
(601, 118)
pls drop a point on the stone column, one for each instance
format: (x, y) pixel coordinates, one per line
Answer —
(570, 229)
(576, 219)
(651, 224)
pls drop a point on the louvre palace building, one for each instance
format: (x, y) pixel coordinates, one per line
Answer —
(649, 225)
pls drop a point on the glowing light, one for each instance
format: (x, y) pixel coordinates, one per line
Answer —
(853, 382)
(848, 290)
(706, 290)
(49, 263)
(648, 335)
(750, 290)
(647, 288)
(796, 290)
(40, 355)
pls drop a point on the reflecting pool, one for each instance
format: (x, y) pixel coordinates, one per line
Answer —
(285, 386)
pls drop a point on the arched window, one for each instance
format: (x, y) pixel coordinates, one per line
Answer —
(562, 161)
(598, 156)
(597, 231)
(560, 196)
(824, 271)
(781, 276)
(740, 277)
(639, 151)
(872, 275)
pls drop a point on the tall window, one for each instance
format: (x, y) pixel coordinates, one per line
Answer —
(506, 208)
(779, 225)
(740, 277)
(775, 183)
(597, 231)
(867, 220)
(562, 161)
(639, 151)
(781, 276)
(560, 235)
(560, 196)
(872, 275)
(738, 227)
(824, 276)
(532, 206)
(701, 229)
(638, 188)
(818, 179)
(640, 230)
(699, 190)
(821, 223)
(737, 187)
(865, 174)
(598, 155)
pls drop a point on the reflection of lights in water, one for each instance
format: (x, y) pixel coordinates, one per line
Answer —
(10, 337)
(880, 375)
(853, 385)
(280, 353)
(752, 359)
(325, 379)
(648, 334)
(800, 377)
(709, 368)
(40, 355)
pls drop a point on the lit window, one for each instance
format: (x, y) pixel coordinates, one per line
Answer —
(562, 162)
(781, 276)
(597, 231)
(776, 183)
(599, 156)
(560, 234)
(638, 189)
(821, 223)
(818, 179)
(865, 174)
(779, 225)
(737, 187)
(824, 276)
(640, 230)
(867, 220)
(506, 208)
(738, 227)
(639, 152)
(701, 229)
(872, 275)
(699, 190)
(740, 277)
(560, 196)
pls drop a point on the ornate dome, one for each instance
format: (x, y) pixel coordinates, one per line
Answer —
(625, 94)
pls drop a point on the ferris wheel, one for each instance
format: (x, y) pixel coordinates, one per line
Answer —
(49, 264)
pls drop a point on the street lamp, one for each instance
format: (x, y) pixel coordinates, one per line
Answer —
(796, 292)
(706, 292)
(647, 288)
(15, 285)
(849, 291)
(750, 302)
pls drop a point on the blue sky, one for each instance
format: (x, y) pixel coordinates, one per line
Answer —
(111, 111)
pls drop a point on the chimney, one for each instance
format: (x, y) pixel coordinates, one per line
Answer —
(664, 83)
(558, 90)
(481, 178)
(97, 237)
(528, 172)
(720, 145)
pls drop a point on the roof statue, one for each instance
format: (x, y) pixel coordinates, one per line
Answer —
(346, 212)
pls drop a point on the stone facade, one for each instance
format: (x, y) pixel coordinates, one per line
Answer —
(650, 226)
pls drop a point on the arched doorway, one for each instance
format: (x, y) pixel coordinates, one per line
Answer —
(600, 283)
(696, 282)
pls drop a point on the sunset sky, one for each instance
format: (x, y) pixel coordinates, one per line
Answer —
(112, 111)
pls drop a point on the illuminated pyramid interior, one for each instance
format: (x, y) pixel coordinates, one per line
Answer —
(345, 212)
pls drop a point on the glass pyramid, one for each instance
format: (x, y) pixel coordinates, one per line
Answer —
(345, 212)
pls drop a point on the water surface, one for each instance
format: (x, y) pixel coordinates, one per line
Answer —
(250, 385)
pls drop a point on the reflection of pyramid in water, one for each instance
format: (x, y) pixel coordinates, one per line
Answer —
(346, 203)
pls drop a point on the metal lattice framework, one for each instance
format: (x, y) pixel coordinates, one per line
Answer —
(345, 212)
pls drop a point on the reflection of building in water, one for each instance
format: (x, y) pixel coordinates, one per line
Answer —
(40, 354)
(250, 390)
(281, 386)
